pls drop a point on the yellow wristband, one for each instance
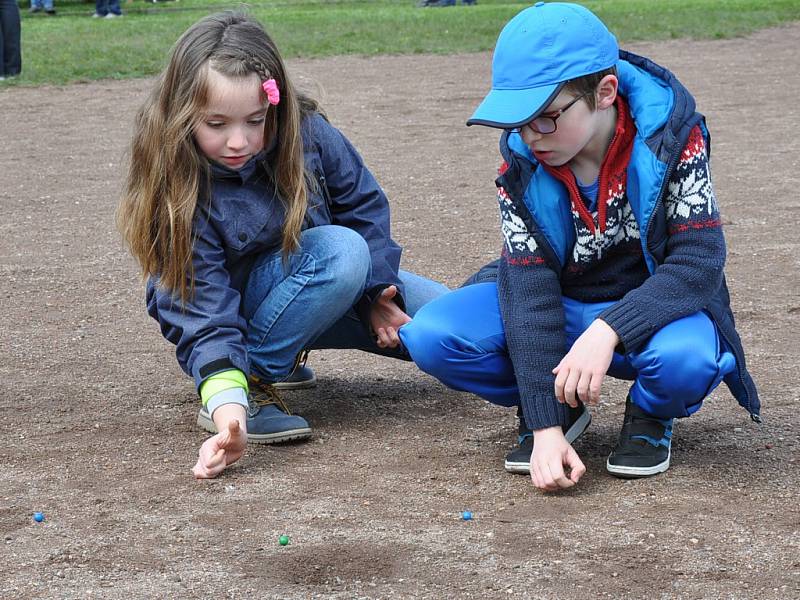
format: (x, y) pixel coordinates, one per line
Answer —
(219, 382)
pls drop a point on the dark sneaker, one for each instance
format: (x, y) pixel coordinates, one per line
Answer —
(519, 459)
(644, 444)
(301, 378)
(268, 418)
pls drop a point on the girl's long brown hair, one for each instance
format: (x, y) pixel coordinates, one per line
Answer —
(168, 174)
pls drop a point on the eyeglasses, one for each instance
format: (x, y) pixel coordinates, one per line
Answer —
(546, 125)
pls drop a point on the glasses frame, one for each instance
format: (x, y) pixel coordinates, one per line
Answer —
(553, 118)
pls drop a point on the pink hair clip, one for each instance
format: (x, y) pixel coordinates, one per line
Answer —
(270, 87)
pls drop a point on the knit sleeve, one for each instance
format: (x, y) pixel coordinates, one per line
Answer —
(530, 303)
(695, 255)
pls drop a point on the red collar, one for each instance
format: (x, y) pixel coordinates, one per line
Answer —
(613, 170)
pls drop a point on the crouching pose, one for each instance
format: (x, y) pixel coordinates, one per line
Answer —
(613, 256)
(261, 231)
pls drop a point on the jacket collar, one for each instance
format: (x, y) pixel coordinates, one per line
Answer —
(613, 170)
(249, 169)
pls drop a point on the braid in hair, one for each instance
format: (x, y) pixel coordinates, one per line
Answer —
(259, 67)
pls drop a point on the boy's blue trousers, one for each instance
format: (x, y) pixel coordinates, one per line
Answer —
(459, 339)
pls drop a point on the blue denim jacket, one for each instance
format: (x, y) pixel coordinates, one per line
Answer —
(241, 219)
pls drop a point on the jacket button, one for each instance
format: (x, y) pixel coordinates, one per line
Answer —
(242, 237)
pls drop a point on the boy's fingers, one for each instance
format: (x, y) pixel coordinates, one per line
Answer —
(535, 476)
(576, 465)
(560, 480)
(583, 387)
(594, 388)
(559, 385)
(569, 388)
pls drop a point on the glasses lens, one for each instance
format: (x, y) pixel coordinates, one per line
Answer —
(544, 125)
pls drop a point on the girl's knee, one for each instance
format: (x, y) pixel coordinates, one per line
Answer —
(342, 258)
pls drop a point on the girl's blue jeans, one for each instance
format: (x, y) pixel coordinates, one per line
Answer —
(306, 301)
(460, 340)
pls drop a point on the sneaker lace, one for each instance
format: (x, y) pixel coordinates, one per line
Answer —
(300, 361)
(264, 394)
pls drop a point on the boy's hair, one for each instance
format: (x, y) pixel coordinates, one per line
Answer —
(587, 84)
(168, 174)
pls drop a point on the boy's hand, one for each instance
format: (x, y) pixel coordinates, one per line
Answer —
(580, 373)
(551, 453)
(386, 318)
(223, 448)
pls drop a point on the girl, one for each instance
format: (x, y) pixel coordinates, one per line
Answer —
(261, 231)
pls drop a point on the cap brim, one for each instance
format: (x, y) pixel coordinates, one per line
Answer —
(507, 109)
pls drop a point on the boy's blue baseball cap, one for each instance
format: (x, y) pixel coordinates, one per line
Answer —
(538, 51)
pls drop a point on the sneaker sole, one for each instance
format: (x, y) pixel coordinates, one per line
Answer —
(296, 385)
(634, 472)
(573, 433)
(302, 433)
(518, 467)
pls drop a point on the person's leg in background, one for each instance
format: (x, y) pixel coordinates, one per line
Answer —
(114, 8)
(10, 39)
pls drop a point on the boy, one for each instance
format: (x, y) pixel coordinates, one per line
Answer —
(613, 256)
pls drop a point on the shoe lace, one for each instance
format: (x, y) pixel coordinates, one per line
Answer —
(264, 394)
(300, 361)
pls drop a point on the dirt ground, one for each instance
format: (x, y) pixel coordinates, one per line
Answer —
(97, 420)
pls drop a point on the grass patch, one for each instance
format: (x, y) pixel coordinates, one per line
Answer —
(74, 47)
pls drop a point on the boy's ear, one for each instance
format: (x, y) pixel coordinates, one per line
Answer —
(606, 91)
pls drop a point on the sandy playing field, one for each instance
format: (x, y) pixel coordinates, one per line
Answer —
(97, 420)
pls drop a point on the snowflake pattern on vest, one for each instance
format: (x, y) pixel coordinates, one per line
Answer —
(620, 227)
(691, 195)
(517, 237)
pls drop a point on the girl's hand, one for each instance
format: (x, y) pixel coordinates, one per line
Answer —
(551, 453)
(387, 318)
(580, 373)
(223, 448)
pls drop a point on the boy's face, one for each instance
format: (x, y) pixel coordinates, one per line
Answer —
(580, 132)
(574, 131)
